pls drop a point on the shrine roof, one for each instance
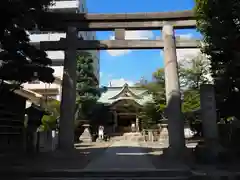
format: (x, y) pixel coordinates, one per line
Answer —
(113, 94)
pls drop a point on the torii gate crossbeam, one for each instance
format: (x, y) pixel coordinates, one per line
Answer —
(105, 22)
(116, 44)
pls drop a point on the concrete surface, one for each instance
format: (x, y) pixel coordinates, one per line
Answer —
(122, 155)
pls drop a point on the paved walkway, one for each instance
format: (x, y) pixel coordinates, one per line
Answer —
(122, 155)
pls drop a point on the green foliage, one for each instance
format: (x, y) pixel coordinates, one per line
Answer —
(49, 121)
(21, 61)
(191, 100)
(159, 77)
(218, 22)
(159, 93)
(88, 91)
(152, 112)
(150, 115)
(157, 88)
(194, 72)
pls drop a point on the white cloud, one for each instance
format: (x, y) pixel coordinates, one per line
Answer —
(185, 36)
(131, 35)
(120, 82)
(186, 54)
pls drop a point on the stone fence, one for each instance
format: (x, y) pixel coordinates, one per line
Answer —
(153, 135)
(161, 134)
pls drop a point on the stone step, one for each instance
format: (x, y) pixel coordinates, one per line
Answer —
(138, 174)
(114, 178)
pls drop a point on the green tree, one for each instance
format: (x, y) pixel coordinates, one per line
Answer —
(193, 73)
(191, 101)
(150, 115)
(88, 91)
(20, 61)
(50, 121)
(157, 88)
(218, 22)
(152, 112)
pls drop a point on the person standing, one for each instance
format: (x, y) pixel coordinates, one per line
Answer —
(133, 127)
(101, 132)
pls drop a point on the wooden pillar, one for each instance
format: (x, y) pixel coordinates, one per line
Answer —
(173, 95)
(115, 119)
(66, 132)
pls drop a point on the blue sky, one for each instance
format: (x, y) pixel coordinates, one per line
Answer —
(132, 65)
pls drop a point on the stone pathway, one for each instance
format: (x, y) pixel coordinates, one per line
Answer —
(122, 155)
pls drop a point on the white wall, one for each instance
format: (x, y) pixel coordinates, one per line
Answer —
(40, 85)
(65, 4)
(59, 55)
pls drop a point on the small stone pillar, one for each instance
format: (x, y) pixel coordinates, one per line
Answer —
(86, 135)
(66, 129)
(137, 124)
(150, 135)
(209, 119)
(173, 94)
(164, 137)
(54, 140)
(208, 112)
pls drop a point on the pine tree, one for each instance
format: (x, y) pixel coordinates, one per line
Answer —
(88, 91)
(20, 61)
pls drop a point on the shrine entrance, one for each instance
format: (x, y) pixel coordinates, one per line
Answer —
(125, 122)
(125, 115)
(119, 23)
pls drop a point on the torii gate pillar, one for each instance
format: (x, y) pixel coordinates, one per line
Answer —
(173, 95)
(68, 100)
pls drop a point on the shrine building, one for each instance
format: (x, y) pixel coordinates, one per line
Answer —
(124, 103)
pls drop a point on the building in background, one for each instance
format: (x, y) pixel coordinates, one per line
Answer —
(54, 90)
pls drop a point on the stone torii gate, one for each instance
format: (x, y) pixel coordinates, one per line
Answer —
(165, 21)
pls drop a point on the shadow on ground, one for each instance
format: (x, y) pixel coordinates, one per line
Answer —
(78, 159)
(83, 155)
